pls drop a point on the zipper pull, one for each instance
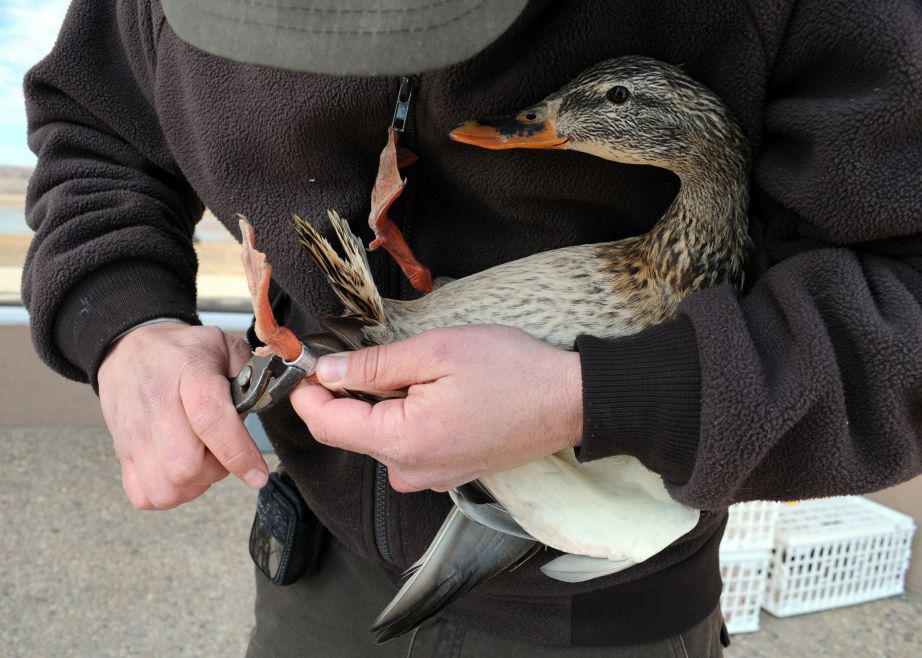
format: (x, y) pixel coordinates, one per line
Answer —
(404, 96)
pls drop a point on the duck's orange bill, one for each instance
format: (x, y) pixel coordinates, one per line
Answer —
(509, 133)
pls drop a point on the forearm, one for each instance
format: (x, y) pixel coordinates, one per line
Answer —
(112, 214)
(809, 386)
(827, 373)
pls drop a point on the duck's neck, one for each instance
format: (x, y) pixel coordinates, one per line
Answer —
(703, 237)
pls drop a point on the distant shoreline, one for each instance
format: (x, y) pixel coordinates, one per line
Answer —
(13, 201)
(14, 180)
(221, 282)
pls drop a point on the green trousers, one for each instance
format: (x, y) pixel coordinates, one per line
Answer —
(328, 614)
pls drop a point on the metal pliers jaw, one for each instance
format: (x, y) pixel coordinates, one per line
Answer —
(265, 380)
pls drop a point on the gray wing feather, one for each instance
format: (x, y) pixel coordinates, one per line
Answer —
(463, 554)
(486, 512)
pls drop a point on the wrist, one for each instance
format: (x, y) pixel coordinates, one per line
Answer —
(108, 301)
(161, 320)
(139, 331)
(572, 396)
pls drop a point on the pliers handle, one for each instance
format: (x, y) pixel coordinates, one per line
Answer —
(264, 380)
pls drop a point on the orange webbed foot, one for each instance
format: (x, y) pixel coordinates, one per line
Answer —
(278, 340)
(388, 188)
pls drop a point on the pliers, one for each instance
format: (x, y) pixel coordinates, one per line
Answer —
(265, 380)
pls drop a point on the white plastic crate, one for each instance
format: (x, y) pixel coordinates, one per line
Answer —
(744, 573)
(836, 552)
(751, 525)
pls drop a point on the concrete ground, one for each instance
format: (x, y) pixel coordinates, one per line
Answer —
(84, 574)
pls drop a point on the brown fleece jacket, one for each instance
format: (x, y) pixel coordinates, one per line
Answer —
(809, 384)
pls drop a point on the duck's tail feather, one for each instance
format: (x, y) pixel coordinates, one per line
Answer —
(349, 275)
(462, 555)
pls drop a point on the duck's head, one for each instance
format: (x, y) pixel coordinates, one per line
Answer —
(633, 109)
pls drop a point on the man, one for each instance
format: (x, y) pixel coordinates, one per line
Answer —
(807, 385)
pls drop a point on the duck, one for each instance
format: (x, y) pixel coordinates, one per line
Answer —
(606, 515)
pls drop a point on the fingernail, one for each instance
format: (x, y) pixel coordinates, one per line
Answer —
(332, 368)
(256, 478)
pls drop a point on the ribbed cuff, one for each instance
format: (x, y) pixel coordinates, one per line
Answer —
(112, 300)
(641, 397)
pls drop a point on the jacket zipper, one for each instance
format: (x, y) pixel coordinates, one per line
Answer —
(408, 86)
(381, 512)
(401, 123)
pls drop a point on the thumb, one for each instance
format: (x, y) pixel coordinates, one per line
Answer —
(383, 367)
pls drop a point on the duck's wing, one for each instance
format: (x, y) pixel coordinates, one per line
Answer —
(478, 505)
(610, 515)
(348, 330)
(463, 554)
(612, 508)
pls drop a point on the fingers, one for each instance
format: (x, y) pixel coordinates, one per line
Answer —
(238, 353)
(211, 470)
(168, 466)
(151, 494)
(206, 399)
(158, 449)
(132, 486)
(182, 459)
(350, 424)
(378, 430)
(389, 367)
(166, 400)
(339, 422)
(395, 432)
(399, 484)
(409, 482)
(479, 399)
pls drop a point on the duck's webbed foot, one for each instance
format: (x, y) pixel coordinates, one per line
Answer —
(278, 340)
(388, 187)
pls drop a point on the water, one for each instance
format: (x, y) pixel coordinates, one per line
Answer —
(13, 220)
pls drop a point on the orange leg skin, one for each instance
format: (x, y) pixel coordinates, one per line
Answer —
(388, 187)
(389, 236)
(279, 340)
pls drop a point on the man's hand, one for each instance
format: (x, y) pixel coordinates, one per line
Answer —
(482, 399)
(166, 399)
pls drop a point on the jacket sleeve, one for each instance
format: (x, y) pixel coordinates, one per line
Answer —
(113, 216)
(810, 384)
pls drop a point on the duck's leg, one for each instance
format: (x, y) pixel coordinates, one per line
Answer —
(388, 187)
(278, 340)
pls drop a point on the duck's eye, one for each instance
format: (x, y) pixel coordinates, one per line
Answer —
(618, 94)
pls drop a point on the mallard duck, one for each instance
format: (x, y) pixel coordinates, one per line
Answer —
(610, 514)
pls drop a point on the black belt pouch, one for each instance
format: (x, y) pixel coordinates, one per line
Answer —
(286, 535)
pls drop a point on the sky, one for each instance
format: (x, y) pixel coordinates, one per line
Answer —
(27, 32)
